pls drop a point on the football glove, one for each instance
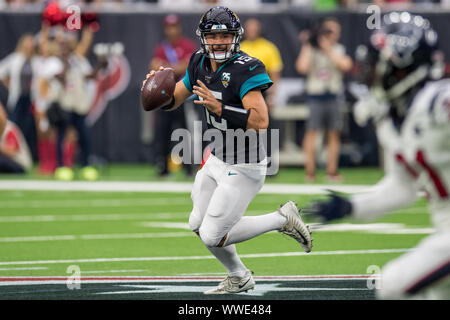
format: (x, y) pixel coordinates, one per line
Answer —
(335, 207)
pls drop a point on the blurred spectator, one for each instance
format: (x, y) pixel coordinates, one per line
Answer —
(49, 65)
(239, 4)
(189, 4)
(73, 102)
(15, 156)
(257, 46)
(393, 3)
(326, 5)
(177, 4)
(323, 60)
(17, 72)
(173, 52)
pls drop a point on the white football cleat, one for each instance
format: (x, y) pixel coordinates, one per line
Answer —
(233, 284)
(294, 226)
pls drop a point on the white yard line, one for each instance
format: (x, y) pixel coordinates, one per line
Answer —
(256, 255)
(110, 271)
(121, 186)
(20, 269)
(111, 203)
(104, 217)
(95, 217)
(129, 202)
(98, 236)
(378, 228)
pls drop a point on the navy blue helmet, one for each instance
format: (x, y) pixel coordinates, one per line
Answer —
(400, 58)
(220, 19)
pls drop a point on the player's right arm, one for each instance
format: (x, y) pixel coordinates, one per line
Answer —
(396, 190)
(180, 95)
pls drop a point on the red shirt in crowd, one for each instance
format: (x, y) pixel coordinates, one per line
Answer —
(173, 54)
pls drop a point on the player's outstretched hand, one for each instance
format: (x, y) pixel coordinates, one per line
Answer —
(209, 101)
(151, 73)
(335, 207)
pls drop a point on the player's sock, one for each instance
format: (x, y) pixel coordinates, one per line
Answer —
(229, 258)
(250, 227)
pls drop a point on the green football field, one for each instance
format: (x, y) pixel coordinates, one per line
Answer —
(45, 233)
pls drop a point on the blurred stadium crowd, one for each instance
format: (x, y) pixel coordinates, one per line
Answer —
(250, 4)
(47, 77)
(50, 71)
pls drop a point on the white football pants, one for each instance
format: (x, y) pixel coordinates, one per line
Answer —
(422, 273)
(221, 195)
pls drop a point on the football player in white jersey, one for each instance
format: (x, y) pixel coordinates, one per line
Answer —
(412, 116)
(228, 83)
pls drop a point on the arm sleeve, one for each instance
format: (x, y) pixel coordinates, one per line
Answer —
(187, 81)
(396, 190)
(255, 77)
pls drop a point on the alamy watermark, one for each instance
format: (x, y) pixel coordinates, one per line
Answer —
(74, 20)
(229, 145)
(374, 280)
(374, 20)
(73, 282)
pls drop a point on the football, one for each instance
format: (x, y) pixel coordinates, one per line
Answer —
(158, 89)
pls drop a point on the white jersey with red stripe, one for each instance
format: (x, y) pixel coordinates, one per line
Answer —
(425, 140)
(417, 158)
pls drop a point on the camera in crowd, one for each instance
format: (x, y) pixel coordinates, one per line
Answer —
(323, 28)
(317, 32)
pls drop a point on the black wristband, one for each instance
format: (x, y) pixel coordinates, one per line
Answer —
(237, 116)
(169, 106)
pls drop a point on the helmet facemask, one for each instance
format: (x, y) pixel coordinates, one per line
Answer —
(220, 57)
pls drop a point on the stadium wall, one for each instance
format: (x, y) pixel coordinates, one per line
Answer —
(117, 133)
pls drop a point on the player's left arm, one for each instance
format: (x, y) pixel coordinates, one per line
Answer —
(180, 95)
(254, 116)
(254, 102)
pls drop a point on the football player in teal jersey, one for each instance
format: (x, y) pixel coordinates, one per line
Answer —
(228, 83)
